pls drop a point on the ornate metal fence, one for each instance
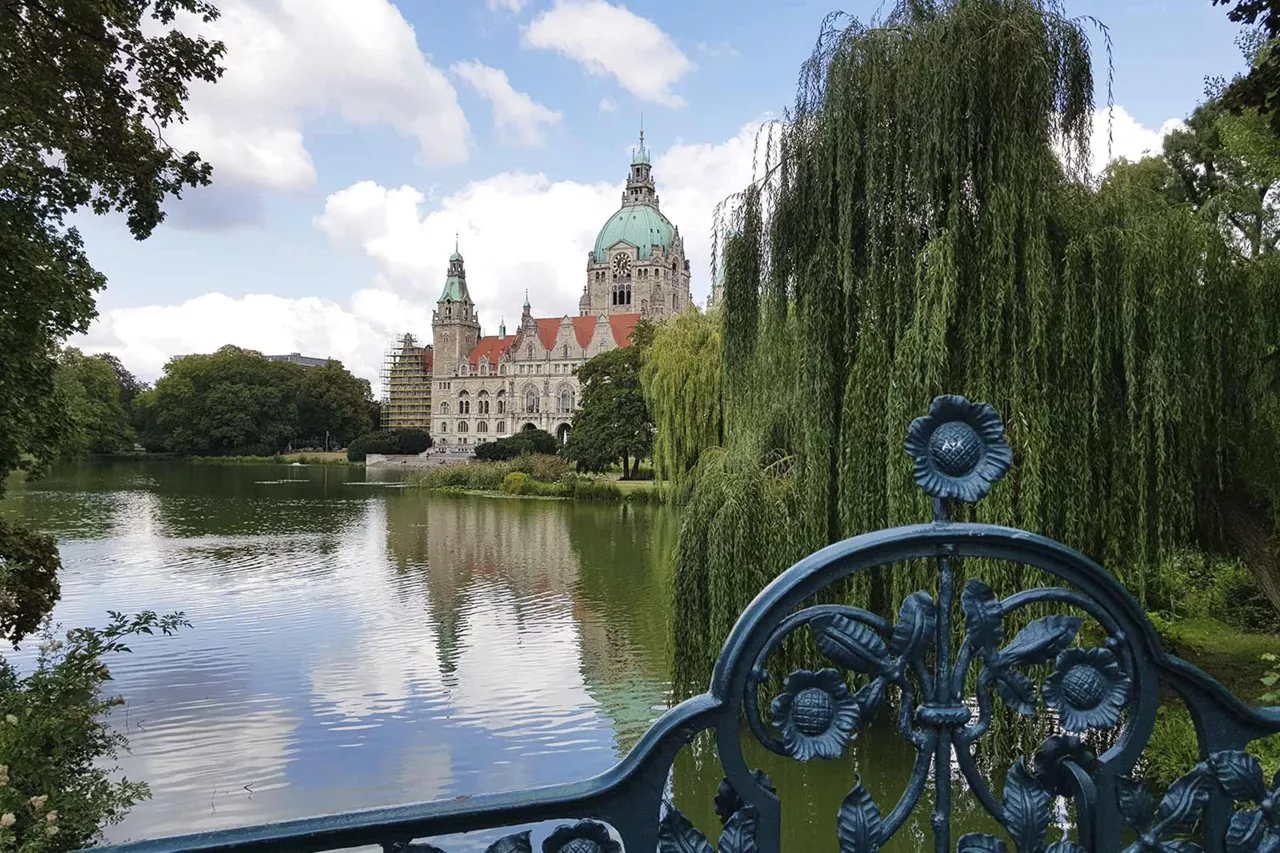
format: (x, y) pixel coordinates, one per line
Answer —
(921, 663)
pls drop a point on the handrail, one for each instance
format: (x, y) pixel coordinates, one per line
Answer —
(947, 680)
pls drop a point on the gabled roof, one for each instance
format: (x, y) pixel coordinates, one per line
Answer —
(492, 347)
(623, 325)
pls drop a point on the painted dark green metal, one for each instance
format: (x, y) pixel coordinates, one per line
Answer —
(1223, 805)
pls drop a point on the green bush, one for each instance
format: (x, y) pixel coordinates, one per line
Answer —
(517, 483)
(57, 745)
(595, 490)
(1193, 585)
(542, 467)
(406, 442)
(530, 441)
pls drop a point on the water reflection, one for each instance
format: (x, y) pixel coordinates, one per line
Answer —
(357, 646)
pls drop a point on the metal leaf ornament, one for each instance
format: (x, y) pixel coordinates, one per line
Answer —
(585, 836)
(1253, 830)
(959, 449)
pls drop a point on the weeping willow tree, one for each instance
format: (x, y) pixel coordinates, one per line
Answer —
(926, 224)
(682, 379)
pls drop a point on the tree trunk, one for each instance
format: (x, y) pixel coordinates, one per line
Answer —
(1251, 531)
(626, 459)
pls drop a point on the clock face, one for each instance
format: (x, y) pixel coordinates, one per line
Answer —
(621, 264)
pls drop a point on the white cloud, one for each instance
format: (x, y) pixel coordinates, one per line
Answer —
(145, 337)
(608, 105)
(509, 5)
(607, 39)
(517, 116)
(1128, 138)
(290, 61)
(516, 230)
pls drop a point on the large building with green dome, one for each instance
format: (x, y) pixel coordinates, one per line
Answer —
(480, 388)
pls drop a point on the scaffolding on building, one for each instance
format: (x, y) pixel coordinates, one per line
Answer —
(406, 385)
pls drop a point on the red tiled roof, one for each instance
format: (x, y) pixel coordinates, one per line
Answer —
(623, 325)
(492, 347)
(585, 326)
(429, 359)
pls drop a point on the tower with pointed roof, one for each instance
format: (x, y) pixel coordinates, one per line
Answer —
(637, 265)
(455, 328)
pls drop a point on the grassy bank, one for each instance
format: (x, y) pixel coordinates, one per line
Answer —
(1234, 658)
(533, 476)
(332, 457)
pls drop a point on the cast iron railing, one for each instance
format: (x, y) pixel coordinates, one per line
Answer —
(1102, 693)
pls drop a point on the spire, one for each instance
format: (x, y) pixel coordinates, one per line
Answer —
(502, 328)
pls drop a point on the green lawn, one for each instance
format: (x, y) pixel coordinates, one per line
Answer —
(1224, 652)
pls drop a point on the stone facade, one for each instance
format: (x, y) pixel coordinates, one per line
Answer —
(486, 387)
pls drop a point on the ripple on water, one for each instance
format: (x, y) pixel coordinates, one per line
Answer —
(347, 652)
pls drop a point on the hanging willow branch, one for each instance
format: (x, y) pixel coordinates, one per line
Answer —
(925, 224)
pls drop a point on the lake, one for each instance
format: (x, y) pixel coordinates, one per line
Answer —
(357, 644)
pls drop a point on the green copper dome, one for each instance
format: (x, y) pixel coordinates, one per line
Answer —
(639, 155)
(640, 225)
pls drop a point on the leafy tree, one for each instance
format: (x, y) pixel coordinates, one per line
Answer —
(96, 420)
(1259, 89)
(331, 401)
(86, 90)
(926, 228)
(527, 441)
(1228, 167)
(613, 423)
(232, 401)
(399, 441)
(130, 385)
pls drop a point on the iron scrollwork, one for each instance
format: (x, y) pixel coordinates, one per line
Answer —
(946, 684)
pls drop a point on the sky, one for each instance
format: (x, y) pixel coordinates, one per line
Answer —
(352, 140)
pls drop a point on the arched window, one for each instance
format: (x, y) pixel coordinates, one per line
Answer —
(464, 403)
(502, 427)
(481, 426)
(529, 350)
(482, 403)
(673, 302)
(462, 426)
(566, 350)
(464, 369)
(444, 407)
(530, 400)
(502, 402)
(484, 367)
(444, 427)
(566, 399)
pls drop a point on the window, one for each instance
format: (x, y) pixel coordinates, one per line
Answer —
(502, 403)
(482, 427)
(566, 399)
(462, 426)
(529, 350)
(484, 367)
(539, 367)
(444, 427)
(502, 427)
(530, 400)
(448, 311)
(464, 369)
(482, 403)
(622, 294)
(522, 367)
(464, 403)
(566, 350)
(673, 302)
(444, 407)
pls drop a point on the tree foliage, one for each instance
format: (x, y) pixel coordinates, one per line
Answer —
(612, 424)
(93, 403)
(682, 379)
(237, 401)
(1259, 89)
(925, 225)
(524, 442)
(87, 89)
(399, 441)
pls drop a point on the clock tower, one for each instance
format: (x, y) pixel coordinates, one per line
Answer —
(637, 265)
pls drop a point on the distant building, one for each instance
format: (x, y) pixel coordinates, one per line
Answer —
(295, 358)
(485, 387)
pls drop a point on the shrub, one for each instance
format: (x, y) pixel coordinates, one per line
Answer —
(57, 745)
(532, 441)
(595, 490)
(389, 442)
(517, 483)
(540, 466)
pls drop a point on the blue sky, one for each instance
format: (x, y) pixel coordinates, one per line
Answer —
(352, 138)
